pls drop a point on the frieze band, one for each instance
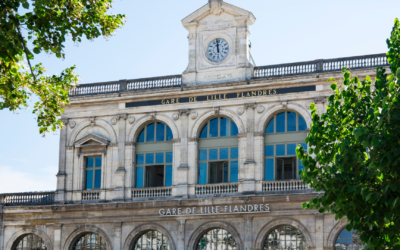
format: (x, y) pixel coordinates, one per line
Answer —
(245, 94)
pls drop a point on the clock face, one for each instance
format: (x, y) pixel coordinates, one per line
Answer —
(217, 50)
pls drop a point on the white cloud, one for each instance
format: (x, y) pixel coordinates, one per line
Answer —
(12, 181)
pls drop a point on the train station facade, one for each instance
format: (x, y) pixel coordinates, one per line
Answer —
(201, 160)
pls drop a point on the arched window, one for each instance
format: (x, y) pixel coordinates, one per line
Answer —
(29, 242)
(217, 239)
(151, 240)
(89, 241)
(348, 241)
(154, 156)
(282, 135)
(218, 152)
(285, 237)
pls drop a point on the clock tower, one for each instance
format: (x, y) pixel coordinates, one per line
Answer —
(219, 48)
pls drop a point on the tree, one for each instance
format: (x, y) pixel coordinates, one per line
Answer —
(356, 149)
(46, 27)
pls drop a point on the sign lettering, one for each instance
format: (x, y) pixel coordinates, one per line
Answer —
(257, 208)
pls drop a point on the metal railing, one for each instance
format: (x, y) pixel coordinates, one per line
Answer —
(222, 188)
(151, 192)
(90, 195)
(319, 66)
(287, 69)
(271, 186)
(28, 198)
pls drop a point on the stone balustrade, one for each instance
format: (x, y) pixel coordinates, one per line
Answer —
(28, 198)
(90, 195)
(221, 188)
(285, 185)
(151, 192)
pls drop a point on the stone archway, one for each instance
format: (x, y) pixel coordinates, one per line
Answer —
(334, 233)
(138, 232)
(204, 228)
(98, 122)
(272, 111)
(258, 244)
(208, 115)
(86, 229)
(144, 120)
(26, 231)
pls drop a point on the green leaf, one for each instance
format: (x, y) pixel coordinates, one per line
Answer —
(36, 50)
(391, 86)
(25, 5)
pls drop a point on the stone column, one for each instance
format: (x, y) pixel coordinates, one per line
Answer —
(193, 161)
(189, 75)
(61, 175)
(248, 235)
(250, 163)
(130, 148)
(183, 169)
(319, 231)
(181, 234)
(57, 237)
(117, 236)
(119, 185)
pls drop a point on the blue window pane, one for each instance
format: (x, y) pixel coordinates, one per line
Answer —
(269, 150)
(149, 158)
(270, 127)
(302, 124)
(169, 157)
(160, 158)
(141, 137)
(170, 136)
(97, 179)
(234, 129)
(269, 169)
(204, 132)
(291, 149)
(213, 154)
(150, 133)
(160, 131)
(280, 123)
(139, 177)
(224, 127)
(214, 128)
(168, 176)
(89, 162)
(234, 153)
(89, 179)
(203, 173)
(234, 171)
(280, 149)
(203, 155)
(226, 173)
(140, 159)
(291, 121)
(301, 168)
(224, 153)
(98, 162)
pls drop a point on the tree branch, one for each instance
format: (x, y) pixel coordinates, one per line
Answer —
(26, 54)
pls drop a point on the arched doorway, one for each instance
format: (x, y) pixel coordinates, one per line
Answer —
(29, 242)
(285, 237)
(89, 241)
(217, 239)
(151, 240)
(348, 241)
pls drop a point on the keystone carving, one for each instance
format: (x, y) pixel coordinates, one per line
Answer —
(284, 103)
(216, 110)
(131, 119)
(92, 121)
(194, 115)
(152, 115)
(240, 111)
(175, 116)
(72, 124)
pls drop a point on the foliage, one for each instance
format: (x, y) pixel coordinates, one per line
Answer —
(46, 27)
(356, 145)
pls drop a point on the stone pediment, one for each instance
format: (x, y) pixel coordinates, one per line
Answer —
(216, 7)
(92, 140)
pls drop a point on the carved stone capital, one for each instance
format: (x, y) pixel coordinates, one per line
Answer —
(252, 105)
(184, 112)
(65, 120)
(122, 116)
(193, 139)
(130, 144)
(320, 99)
(216, 110)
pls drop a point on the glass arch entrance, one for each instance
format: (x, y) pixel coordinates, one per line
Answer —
(217, 239)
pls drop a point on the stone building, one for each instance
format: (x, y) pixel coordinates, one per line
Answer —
(201, 160)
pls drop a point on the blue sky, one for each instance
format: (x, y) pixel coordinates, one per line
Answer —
(154, 43)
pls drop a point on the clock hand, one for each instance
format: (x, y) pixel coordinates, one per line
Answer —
(217, 46)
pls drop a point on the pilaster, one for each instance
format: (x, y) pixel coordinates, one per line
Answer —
(61, 175)
(119, 184)
(183, 169)
(319, 231)
(57, 237)
(248, 235)
(250, 163)
(1, 227)
(117, 236)
(181, 233)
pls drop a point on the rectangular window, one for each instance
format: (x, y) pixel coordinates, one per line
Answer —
(234, 153)
(291, 122)
(280, 149)
(169, 157)
(203, 173)
(155, 176)
(269, 169)
(149, 158)
(234, 171)
(214, 128)
(291, 149)
(168, 176)
(224, 127)
(154, 169)
(203, 155)
(93, 173)
(140, 159)
(160, 158)
(213, 154)
(224, 153)
(280, 123)
(269, 150)
(160, 131)
(139, 177)
(285, 168)
(150, 133)
(216, 172)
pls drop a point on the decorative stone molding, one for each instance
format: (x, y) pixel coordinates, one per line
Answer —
(333, 234)
(98, 122)
(29, 230)
(92, 143)
(72, 124)
(175, 116)
(140, 230)
(152, 115)
(252, 105)
(192, 36)
(185, 112)
(132, 144)
(176, 140)
(122, 116)
(114, 120)
(86, 229)
(193, 139)
(319, 99)
(259, 134)
(69, 148)
(194, 115)
(65, 120)
(216, 110)
(284, 103)
(131, 119)
(260, 109)
(242, 135)
(92, 121)
(240, 111)
(215, 6)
